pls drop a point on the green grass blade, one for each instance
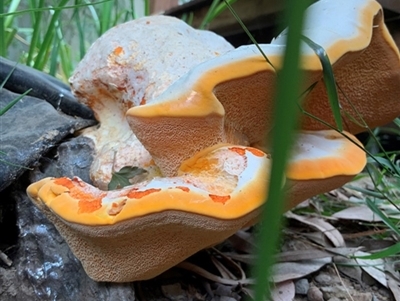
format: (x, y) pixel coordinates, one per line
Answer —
(95, 17)
(370, 193)
(105, 16)
(246, 30)
(385, 253)
(216, 8)
(10, 36)
(53, 62)
(288, 90)
(384, 218)
(147, 7)
(55, 8)
(207, 18)
(13, 102)
(188, 18)
(12, 8)
(385, 163)
(3, 49)
(329, 80)
(30, 11)
(220, 8)
(63, 53)
(7, 32)
(44, 50)
(66, 62)
(397, 122)
(81, 33)
(36, 35)
(8, 76)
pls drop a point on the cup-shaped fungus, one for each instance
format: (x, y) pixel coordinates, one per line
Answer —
(207, 134)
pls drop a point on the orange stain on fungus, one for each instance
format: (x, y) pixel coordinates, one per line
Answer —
(89, 206)
(256, 152)
(238, 150)
(185, 189)
(220, 198)
(119, 50)
(64, 182)
(135, 194)
(87, 202)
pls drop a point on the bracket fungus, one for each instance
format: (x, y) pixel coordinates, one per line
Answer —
(203, 131)
(130, 65)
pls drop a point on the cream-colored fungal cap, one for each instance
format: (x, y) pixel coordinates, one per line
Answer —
(325, 154)
(320, 162)
(229, 99)
(225, 182)
(130, 65)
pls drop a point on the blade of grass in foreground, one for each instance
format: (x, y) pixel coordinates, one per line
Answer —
(44, 50)
(384, 218)
(216, 7)
(3, 49)
(36, 33)
(105, 16)
(387, 252)
(288, 90)
(329, 80)
(246, 30)
(13, 102)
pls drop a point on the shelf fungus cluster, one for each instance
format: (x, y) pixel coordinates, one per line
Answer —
(195, 113)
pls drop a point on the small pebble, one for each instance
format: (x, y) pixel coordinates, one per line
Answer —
(323, 278)
(223, 290)
(174, 292)
(314, 294)
(301, 286)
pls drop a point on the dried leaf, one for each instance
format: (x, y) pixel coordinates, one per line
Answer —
(361, 213)
(349, 267)
(210, 276)
(394, 286)
(223, 270)
(283, 291)
(318, 238)
(245, 258)
(343, 251)
(390, 210)
(374, 267)
(293, 270)
(299, 255)
(329, 231)
(228, 268)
